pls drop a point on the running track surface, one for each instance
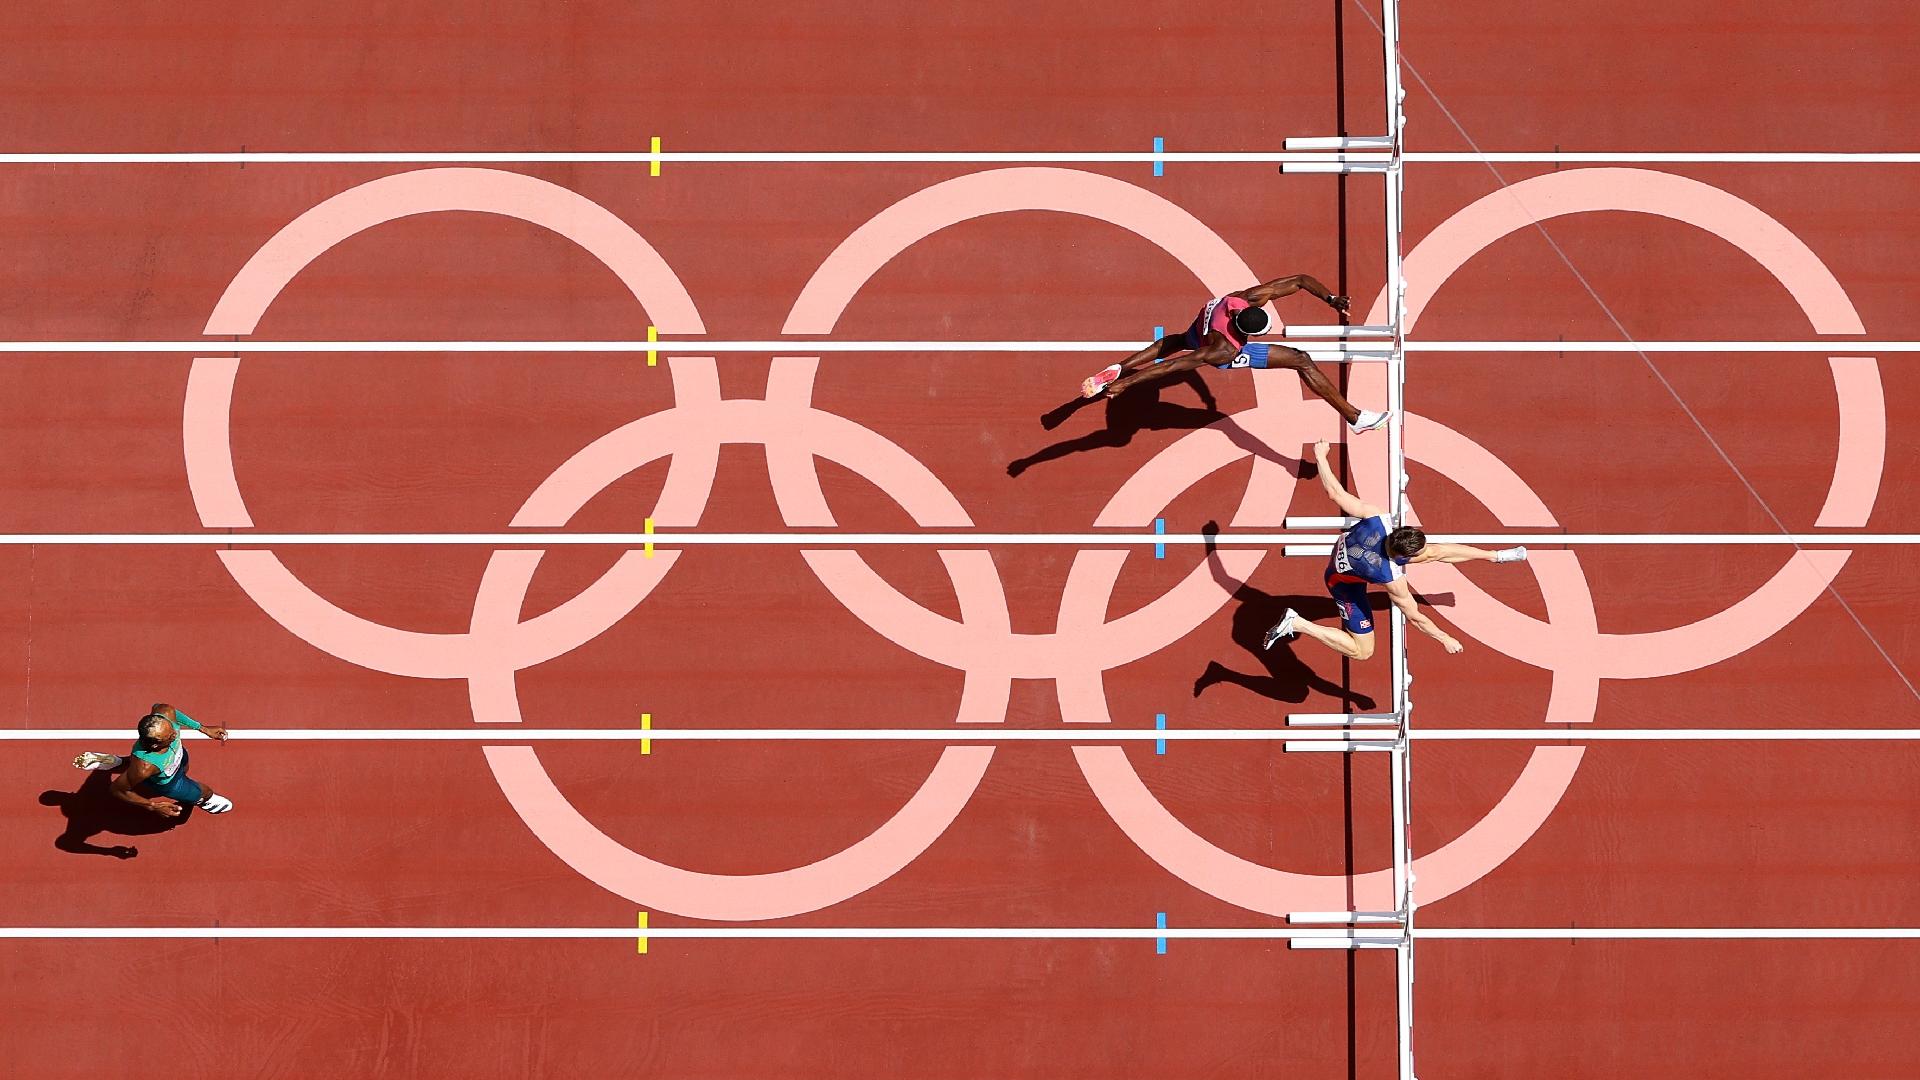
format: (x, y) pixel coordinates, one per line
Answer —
(399, 834)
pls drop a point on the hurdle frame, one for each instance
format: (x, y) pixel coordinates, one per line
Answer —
(1389, 733)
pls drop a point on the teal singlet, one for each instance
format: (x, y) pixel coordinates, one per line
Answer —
(168, 761)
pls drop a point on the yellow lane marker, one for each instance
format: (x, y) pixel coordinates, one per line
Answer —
(648, 529)
(646, 724)
(653, 356)
(653, 167)
(643, 937)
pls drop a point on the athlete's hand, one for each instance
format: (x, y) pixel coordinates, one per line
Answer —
(164, 806)
(1451, 644)
(1338, 303)
(1320, 451)
(218, 734)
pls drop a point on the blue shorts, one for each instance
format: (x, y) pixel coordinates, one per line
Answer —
(1351, 596)
(181, 789)
(1252, 355)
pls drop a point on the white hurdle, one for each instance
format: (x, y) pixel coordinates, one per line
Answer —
(1343, 164)
(1390, 732)
(1309, 331)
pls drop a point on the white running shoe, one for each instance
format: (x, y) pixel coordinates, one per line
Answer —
(1094, 384)
(1367, 421)
(1282, 629)
(1512, 554)
(93, 759)
(216, 804)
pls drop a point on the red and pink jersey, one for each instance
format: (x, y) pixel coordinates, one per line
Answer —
(1218, 315)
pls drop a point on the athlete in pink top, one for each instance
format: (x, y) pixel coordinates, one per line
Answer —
(1218, 338)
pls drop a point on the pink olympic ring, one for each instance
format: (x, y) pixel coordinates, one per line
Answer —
(1569, 644)
(981, 644)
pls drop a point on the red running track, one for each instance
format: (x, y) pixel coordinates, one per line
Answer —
(397, 834)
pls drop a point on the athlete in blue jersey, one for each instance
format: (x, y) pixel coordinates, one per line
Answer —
(1373, 552)
(154, 776)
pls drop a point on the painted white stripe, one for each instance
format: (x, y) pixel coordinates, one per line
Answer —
(1678, 933)
(1828, 345)
(1668, 735)
(695, 157)
(939, 157)
(1326, 351)
(666, 539)
(949, 933)
(698, 933)
(789, 346)
(1777, 157)
(511, 734)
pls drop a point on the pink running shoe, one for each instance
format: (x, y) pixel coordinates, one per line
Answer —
(1093, 386)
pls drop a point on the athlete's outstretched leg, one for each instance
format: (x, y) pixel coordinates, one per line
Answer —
(1154, 353)
(1354, 646)
(1353, 638)
(1309, 372)
(1145, 358)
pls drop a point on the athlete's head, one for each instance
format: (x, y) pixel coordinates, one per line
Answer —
(156, 731)
(1251, 321)
(1405, 542)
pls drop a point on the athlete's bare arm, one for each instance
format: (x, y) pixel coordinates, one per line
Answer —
(1268, 291)
(1453, 553)
(1341, 497)
(211, 731)
(138, 772)
(1402, 597)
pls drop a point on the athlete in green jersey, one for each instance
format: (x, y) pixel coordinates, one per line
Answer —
(155, 774)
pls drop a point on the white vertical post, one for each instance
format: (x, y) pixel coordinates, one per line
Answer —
(1398, 767)
(1401, 765)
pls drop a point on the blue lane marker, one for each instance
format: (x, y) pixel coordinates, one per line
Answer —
(1160, 923)
(1159, 332)
(1159, 147)
(1159, 546)
(1159, 724)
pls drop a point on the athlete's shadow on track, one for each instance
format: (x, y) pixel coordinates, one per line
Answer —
(1284, 676)
(93, 810)
(1141, 409)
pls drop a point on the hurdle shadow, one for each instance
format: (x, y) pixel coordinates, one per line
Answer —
(91, 810)
(1143, 409)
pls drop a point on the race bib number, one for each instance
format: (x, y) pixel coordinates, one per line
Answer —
(1243, 360)
(1342, 561)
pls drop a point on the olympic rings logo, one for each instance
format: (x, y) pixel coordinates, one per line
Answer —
(981, 644)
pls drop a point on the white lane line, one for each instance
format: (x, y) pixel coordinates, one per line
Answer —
(1827, 345)
(790, 346)
(1325, 351)
(666, 539)
(947, 933)
(1736, 157)
(507, 733)
(1677, 933)
(700, 157)
(954, 157)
